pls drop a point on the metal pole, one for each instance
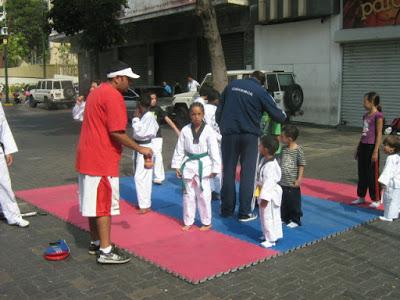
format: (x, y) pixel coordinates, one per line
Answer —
(6, 68)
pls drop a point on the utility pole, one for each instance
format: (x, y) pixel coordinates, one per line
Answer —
(4, 33)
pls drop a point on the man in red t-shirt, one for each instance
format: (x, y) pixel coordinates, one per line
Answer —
(98, 155)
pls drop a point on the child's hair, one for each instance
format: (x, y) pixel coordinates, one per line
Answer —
(374, 98)
(196, 104)
(270, 143)
(290, 131)
(213, 95)
(393, 141)
(145, 101)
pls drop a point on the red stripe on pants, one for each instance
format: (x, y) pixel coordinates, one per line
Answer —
(104, 195)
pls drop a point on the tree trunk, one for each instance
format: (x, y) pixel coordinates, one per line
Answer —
(205, 10)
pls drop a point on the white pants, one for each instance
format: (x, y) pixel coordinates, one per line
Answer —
(156, 145)
(98, 195)
(216, 182)
(193, 194)
(8, 203)
(391, 203)
(271, 224)
(143, 180)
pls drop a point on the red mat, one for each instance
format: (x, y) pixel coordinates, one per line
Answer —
(333, 191)
(194, 256)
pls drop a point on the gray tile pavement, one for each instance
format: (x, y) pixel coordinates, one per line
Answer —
(363, 263)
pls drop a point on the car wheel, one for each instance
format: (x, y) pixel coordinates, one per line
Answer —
(293, 98)
(32, 102)
(181, 116)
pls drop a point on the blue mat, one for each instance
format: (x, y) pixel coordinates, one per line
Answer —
(322, 218)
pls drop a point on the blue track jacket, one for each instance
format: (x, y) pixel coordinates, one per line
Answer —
(242, 104)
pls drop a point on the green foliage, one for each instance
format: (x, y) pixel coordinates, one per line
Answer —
(18, 49)
(27, 19)
(94, 20)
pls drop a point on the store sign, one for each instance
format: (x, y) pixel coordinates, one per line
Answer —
(370, 13)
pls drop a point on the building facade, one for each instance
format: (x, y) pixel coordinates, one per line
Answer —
(165, 42)
(338, 50)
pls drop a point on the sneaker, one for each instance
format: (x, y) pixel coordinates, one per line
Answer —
(158, 181)
(267, 244)
(215, 196)
(382, 218)
(116, 256)
(247, 218)
(93, 249)
(292, 225)
(261, 238)
(358, 201)
(21, 223)
(375, 204)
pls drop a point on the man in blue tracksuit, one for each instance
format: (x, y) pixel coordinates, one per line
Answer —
(239, 116)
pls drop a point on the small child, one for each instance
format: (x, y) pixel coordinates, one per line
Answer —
(292, 164)
(390, 178)
(210, 109)
(268, 192)
(196, 160)
(145, 128)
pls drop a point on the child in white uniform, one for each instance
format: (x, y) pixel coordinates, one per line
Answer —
(8, 203)
(196, 159)
(390, 178)
(145, 128)
(269, 192)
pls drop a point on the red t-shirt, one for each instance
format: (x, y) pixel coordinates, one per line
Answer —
(105, 112)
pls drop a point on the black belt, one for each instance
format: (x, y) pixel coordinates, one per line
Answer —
(143, 142)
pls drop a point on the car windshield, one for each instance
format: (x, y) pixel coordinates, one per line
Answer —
(286, 79)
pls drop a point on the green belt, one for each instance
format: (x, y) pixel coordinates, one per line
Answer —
(197, 157)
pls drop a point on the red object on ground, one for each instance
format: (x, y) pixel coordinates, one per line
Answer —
(195, 255)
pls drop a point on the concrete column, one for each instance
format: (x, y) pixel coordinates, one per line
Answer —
(150, 64)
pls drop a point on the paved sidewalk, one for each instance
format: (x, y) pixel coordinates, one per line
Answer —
(363, 263)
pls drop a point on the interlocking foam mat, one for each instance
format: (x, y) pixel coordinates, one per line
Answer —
(196, 256)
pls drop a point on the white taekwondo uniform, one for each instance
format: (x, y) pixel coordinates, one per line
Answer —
(197, 157)
(390, 177)
(78, 111)
(268, 176)
(144, 130)
(8, 203)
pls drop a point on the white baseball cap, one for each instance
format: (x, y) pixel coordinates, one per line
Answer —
(120, 68)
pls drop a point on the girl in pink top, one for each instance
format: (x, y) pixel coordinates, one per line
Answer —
(367, 154)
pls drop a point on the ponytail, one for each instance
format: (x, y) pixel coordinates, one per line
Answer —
(374, 98)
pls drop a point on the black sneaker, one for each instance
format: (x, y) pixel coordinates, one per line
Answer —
(93, 249)
(247, 218)
(116, 256)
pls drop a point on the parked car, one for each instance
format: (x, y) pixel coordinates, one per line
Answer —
(133, 95)
(281, 85)
(53, 92)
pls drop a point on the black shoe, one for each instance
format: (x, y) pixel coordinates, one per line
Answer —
(93, 249)
(215, 196)
(247, 218)
(116, 256)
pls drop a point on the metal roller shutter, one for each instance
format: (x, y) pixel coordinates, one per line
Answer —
(233, 45)
(172, 62)
(371, 66)
(136, 57)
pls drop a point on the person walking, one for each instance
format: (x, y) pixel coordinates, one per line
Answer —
(99, 150)
(238, 116)
(192, 85)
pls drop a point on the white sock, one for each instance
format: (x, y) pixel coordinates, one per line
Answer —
(97, 243)
(106, 250)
